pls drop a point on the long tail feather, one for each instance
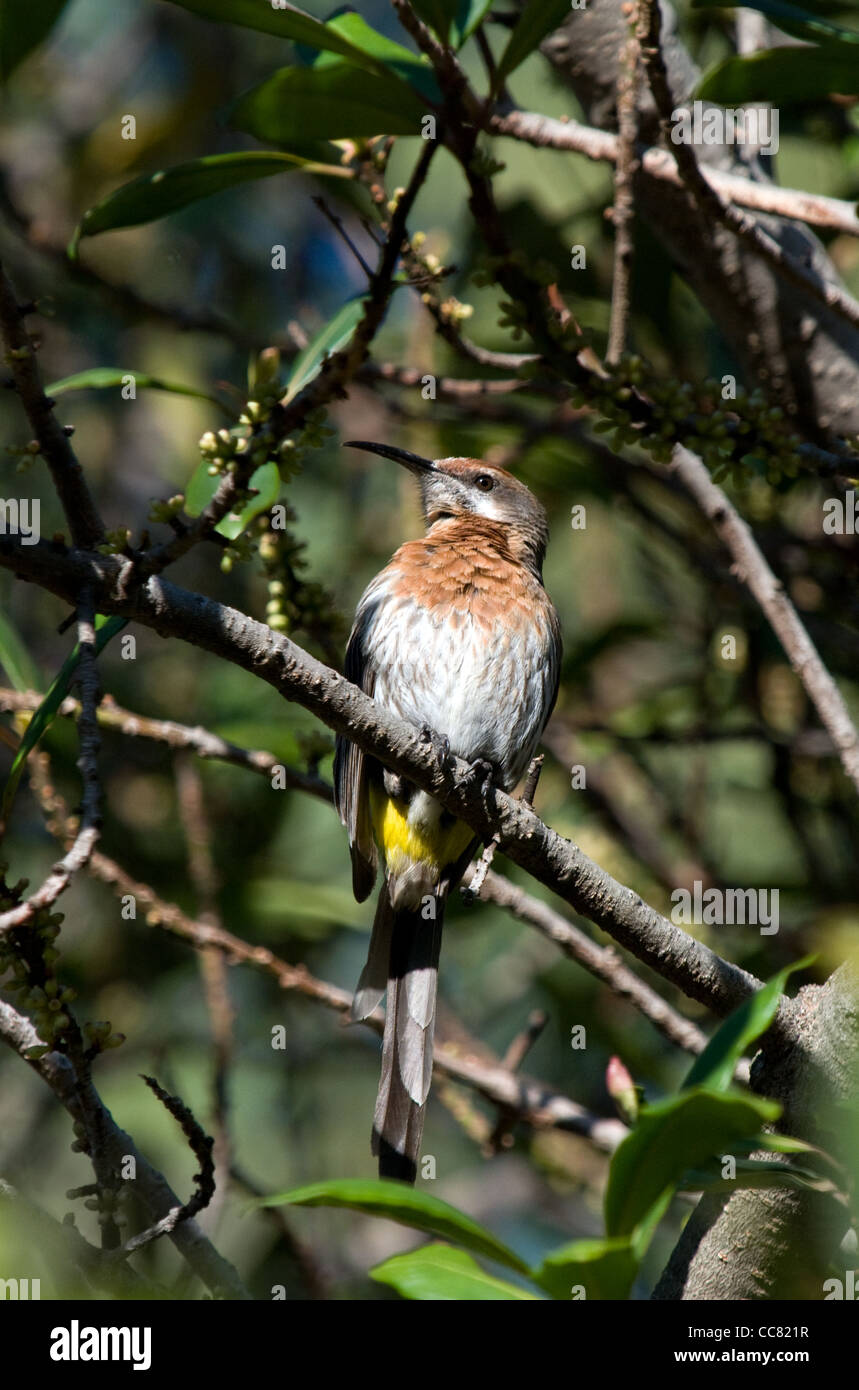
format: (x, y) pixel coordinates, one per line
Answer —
(414, 943)
(373, 980)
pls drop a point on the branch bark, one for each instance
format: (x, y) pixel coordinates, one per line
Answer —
(81, 512)
(802, 353)
(777, 1243)
(552, 860)
(155, 1192)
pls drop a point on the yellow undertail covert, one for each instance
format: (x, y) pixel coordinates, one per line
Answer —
(403, 844)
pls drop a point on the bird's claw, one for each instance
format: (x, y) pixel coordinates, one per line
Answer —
(440, 746)
(482, 772)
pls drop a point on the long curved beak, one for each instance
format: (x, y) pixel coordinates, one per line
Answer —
(413, 462)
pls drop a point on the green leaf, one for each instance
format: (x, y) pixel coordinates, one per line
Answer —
(15, 658)
(345, 35)
(794, 20)
(285, 22)
(777, 1144)
(438, 1272)
(101, 378)
(203, 486)
(386, 55)
(470, 14)
(330, 102)
(756, 1173)
(408, 1206)
(438, 14)
(670, 1137)
(716, 1064)
(335, 335)
(453, 20)
(605, 1268)
(156, 195)
(22, 28)
(44, 716)
(783, 76)
(538, 18)
(287, 900)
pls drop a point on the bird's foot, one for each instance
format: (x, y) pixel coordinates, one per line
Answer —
(441, 749)
(481, 772)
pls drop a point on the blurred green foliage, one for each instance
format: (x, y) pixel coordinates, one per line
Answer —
(721, 760)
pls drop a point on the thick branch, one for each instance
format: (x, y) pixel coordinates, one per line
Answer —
(554, 861)
(601, 961)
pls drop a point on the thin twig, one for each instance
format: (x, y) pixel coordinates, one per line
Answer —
(545, 132)
(707, 199)
(484, 863)
(751, 568)
(80, 509)
(213, 967)
(624, 200)
(561, 866)
(204, 1190)
(599, 960)
(57, 1071)
(87, 836)
(177, 736)
(337, 224)
(501, 1136)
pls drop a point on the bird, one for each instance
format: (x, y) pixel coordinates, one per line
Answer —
(458, 636)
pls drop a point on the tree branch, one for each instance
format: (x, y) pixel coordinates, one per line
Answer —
(751, 568)
(57, 1072)
(90, 827)
(81, 512)
(561, 866)
(603, 147)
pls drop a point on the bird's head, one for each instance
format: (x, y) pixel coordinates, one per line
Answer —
(464, 487)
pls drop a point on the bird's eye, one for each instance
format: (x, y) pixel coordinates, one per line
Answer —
(484, 482)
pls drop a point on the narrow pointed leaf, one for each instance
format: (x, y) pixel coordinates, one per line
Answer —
(44, 716)
(604, 1268)
(203, 486)
(756, 1173)
(156, 195)
(102, 378)
(439, 1273)
(327, 102)
(409, 1207)
(670, 1137)
(794, 20)
(284, 22)
(538, 18)
(331, 338)
(15, 659)
(783, 76)
(385, 54)
(715, 1066)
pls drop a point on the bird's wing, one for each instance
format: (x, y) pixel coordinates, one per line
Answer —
(553, 664)
(352, 767)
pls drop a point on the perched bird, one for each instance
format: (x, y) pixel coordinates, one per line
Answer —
(458, 636)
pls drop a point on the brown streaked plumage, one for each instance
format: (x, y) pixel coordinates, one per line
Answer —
(458, 635)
